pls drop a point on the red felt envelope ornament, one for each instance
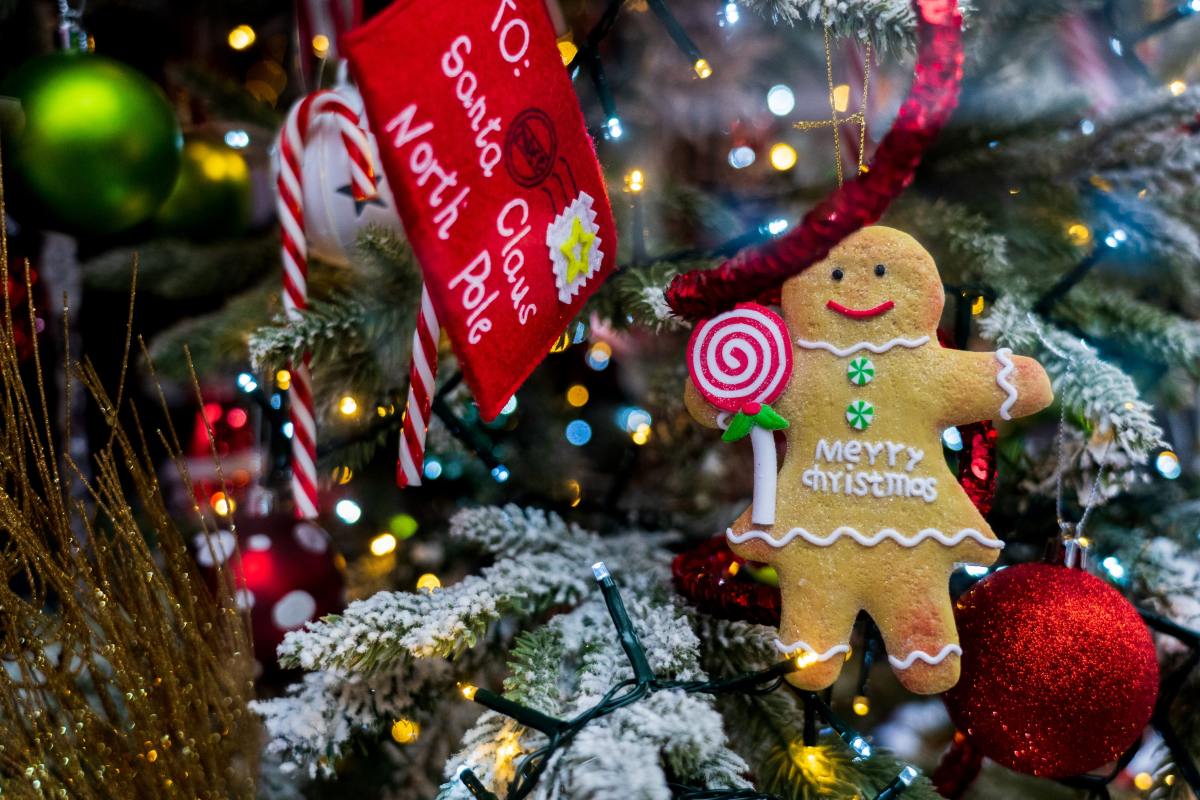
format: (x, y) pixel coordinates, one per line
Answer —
(484, 145)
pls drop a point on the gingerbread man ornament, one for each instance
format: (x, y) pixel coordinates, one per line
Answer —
(867, 514)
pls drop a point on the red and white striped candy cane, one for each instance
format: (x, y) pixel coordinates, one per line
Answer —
(421, 375)
(295, 262)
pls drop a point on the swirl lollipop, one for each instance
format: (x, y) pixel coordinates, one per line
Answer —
(740, 362)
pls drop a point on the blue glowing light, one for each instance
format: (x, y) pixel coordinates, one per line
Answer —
(613, 128)
(237, 139)
(975, 570)
(1087, 127)
(1113, 567)
(246, 382)
(952, 439)
(780, 100)
(500, 473)
(288, 429)
(731, 14)
(432, 469)
(349, 511)
(908, 775)
(776, 226)
(1167, 464)
(578, 432)
(276, 401)
(859, 745)
(630, 418)
(741, 157)
(510, 406)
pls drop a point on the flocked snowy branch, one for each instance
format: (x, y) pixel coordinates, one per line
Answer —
(1091, 388)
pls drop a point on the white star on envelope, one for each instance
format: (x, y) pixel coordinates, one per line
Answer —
(574, 243)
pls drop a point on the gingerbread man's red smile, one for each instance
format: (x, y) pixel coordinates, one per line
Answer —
(860, 313)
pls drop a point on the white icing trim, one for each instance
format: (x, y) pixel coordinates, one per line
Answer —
(766, 470)
(1004, 356)
(800, 644)
(915, 655)
(865, 541)
(877, 349)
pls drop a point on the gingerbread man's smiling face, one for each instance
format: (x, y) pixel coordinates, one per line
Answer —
(878, 284)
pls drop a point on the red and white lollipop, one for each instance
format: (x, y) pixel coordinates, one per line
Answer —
(741, 361)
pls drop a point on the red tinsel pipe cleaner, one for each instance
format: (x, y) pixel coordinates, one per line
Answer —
(859, 202)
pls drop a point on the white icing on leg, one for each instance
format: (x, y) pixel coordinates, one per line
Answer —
(1004, 356)
(915, 655)
(800, 644)
(866, 541)
(877, 349)
(766, 471)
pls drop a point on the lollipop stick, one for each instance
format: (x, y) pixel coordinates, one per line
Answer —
(765, 472)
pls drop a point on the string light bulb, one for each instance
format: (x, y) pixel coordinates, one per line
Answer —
(347, 406)
(635, 181)
(805, 659)
(783, 156)
(641, 435)
(703, 68)
(861, 705)
(383, 544)
(567, 49)
(1144, 781)
(1177, 87)
(578, 396)
(613, 128)
(320, 45)
(1167, 464)
(405, 731)
(1079, 234)
(222, 503)
(241, 37)
(841, 97)
(430, 582)
(467, 690)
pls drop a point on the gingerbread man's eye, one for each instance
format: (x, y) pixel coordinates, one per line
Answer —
(837, 274)
(880, 270)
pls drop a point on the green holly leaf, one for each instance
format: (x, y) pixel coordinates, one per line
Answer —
(739, 427)
(770, 419)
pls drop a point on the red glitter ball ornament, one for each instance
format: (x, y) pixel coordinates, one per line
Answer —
(1059, 673)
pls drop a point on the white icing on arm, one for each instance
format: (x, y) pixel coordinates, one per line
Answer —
(877, 349)
(1004, 356)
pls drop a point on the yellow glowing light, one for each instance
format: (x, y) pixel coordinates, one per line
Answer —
(841, 97)
(977, 305)
(1169, 780)
(1177, 87)
(734, 567)
(813, 763)
(806, 659)
(1143, 781)
(430, 582)
(567, 49)
(577, 396)
(242, 37)
(561, 343)
(283, 380)
(1100, 183)
(641, 435)
(702, 67)
(1084, 542)
(507, 751)
(862, 706)
(575, 492)
(1014, 191)
(342, 474)
(222, 504)
(1079, 234)
(467, 690)
(383, 544)
(320, 45)
(783, 156)
(635, 181)
(405, 731)
(347, 406)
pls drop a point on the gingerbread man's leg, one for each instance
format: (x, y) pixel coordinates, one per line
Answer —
(818, 617)
(916, 618)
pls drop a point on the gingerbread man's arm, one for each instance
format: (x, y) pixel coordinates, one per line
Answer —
(700, 409)
(999, 385)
